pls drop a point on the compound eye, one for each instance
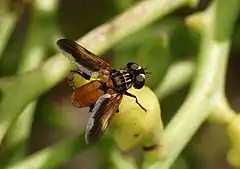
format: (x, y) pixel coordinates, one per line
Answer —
(139, 81)
(133, 66)
(140, 78)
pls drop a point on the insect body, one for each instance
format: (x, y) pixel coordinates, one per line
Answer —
(103, 95)
(87, 94)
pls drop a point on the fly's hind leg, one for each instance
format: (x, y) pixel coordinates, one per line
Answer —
(117, 111)
(105, 88)
(131, 95)
(71, 77)
(91, 108)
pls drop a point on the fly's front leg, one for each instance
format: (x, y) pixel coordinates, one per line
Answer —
(131, 95)
(71, 77)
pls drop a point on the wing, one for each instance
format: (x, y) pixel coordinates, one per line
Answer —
(104, 109)
(86, 60)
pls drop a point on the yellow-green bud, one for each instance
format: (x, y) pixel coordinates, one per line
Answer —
(132, 126)
(233, 131)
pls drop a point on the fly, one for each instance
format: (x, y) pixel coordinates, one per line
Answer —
(105, 94)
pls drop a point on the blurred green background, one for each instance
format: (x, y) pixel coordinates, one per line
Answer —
(26, 25)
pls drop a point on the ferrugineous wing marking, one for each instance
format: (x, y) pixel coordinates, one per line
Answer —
(101, 114)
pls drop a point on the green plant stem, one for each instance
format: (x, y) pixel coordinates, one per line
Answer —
(172, 82)
(32, 84)
(15, 141)
(8, 21)
(14, 147)
(210, 80)
(118, 161)
(52, 156)
(44, 22)
(7, 24)
(123, 25)
(222, 113)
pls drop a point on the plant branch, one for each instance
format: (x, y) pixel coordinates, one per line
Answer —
(222, 112)
(183, 69)
(118, 161)
(8, 21)
(15, 142)
(123, 25)
(52, 156)
(210, 79)
(32, 84)
(7, 25)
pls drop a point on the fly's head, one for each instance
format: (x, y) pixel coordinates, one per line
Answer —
(138, 74)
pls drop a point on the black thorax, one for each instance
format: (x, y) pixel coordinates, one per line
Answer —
(122, 79)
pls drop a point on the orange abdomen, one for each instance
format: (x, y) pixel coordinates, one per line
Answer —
(87, 94)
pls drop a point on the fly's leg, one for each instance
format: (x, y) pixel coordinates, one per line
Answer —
(104, 88)
(84, 75)
(71, 77)
(91, 108)
(131, 95)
